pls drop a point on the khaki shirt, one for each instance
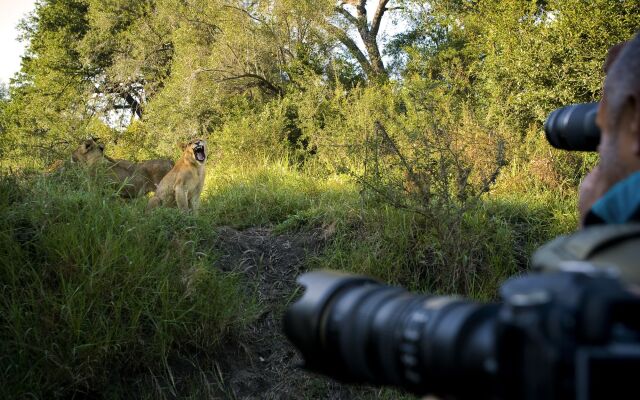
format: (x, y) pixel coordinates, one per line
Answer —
(612, 247)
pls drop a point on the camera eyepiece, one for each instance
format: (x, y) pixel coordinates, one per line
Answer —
(574, 127)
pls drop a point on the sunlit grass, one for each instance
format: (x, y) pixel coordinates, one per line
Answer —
(94, 288)
(271, 192)
(469, 253)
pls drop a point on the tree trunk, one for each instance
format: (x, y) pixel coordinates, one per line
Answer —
(371, 63)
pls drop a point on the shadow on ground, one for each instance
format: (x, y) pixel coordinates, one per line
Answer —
(264, 365)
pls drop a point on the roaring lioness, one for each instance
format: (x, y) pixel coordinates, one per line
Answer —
(181, 187)
(136, 179)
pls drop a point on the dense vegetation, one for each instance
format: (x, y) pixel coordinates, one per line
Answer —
(420, 153)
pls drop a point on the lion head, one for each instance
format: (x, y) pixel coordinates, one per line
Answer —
(88, 152)
(195, 151)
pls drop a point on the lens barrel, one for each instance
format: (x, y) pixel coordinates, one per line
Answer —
(570, 334)
(574, 127)
(357, 330)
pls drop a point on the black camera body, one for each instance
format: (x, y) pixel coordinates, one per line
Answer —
(562, 335)
(567, 335)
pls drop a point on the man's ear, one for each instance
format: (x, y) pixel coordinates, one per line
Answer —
(612, 54)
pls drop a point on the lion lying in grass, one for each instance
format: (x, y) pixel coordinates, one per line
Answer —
(181, 187)
(136, 179)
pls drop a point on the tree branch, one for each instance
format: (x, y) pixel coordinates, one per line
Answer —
(379, 128)
(264, 82)
(377, 17)
(213, 28)
(248, 14)
(347, 15)
(353, 48)
(135, 105)
(362, 10)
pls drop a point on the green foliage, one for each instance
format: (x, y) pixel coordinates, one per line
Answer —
(538, 56)
(206, 66)
(47, 103)
(245, 193)
(94, 291)
(468, 254)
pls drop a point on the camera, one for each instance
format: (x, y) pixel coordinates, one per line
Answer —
(570, 334)
(574, 127)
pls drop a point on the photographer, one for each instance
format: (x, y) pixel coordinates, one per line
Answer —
(610, 193)
(609, 196)
(570, 332)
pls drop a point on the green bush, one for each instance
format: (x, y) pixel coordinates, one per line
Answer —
(470, 253)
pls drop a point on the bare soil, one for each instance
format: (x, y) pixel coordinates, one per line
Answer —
(262, 364)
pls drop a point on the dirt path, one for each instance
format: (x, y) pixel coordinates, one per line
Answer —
(264, 365)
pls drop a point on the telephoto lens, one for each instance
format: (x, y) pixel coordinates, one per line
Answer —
(574, 127)
(357, 330)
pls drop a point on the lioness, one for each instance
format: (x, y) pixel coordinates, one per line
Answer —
(181, 187)
(137, 179)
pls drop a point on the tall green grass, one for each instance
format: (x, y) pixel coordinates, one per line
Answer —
(469, 254)
(94, 292)
(272, 192)
(99, 297)
(468, 251)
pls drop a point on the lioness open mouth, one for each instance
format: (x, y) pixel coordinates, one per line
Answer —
(198, 152)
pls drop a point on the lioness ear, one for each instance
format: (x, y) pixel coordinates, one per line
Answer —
(101, 147)
(182, 145)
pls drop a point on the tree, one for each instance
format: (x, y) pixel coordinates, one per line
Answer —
(352, 15)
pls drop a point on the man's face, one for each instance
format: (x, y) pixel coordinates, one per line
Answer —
(613, 147)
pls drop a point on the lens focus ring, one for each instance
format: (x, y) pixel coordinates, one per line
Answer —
(409, 345)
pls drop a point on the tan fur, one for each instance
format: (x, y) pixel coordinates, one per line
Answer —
(136, 179)
(55, 167)
(181, 187)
